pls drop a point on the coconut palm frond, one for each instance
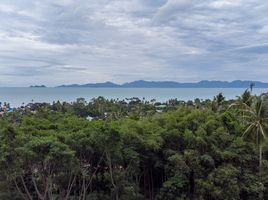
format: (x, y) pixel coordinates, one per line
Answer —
(249, 129)
(247, 112)
(262, 131)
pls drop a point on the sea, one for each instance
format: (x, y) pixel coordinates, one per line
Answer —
(19, 96)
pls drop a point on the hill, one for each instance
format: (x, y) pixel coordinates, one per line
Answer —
(172, 84)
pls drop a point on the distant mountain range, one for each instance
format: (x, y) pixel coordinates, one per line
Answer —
(94, 85)
(171, 84)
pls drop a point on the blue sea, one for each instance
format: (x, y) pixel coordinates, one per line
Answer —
(17, 96)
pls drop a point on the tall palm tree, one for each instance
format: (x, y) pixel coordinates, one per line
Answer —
(217, 102)
(255, 116)
(246, 98)
(251, 86)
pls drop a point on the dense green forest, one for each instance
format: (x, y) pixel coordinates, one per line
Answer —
(136, 150)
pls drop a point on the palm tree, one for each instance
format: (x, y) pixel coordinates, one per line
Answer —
(246, 98)
(217, 102)
(251, 86)
(255, 116)
(243, 102)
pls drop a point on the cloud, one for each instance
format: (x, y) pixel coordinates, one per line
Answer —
(171, 8)
(224, 4)
(253, 49)
(79, 41)
(264, 29)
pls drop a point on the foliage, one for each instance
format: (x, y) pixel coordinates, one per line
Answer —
(130, 151)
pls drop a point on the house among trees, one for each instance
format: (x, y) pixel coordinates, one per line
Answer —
(5, 108)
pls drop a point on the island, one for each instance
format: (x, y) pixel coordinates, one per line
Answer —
(37, 86)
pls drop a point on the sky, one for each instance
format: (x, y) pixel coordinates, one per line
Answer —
(86, 41)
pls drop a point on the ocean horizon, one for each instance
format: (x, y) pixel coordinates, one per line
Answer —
(17, 96)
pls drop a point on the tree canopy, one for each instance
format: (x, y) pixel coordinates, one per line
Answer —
(130, 150)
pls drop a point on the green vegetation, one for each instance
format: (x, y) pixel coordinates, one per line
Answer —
(136, 150)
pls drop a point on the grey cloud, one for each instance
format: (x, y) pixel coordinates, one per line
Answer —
(171, 8)
(254, 49)
(79, 41)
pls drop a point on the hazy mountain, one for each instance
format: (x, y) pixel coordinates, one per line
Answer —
(172, 84)
(95, 85)
(151, 84)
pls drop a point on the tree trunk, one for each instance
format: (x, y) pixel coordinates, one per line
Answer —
(108, 156)
(25, 188)
(260, 157)
(70, 186)
(19, 190)
(40, 196)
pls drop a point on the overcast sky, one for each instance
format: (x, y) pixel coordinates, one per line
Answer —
(55, 42)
